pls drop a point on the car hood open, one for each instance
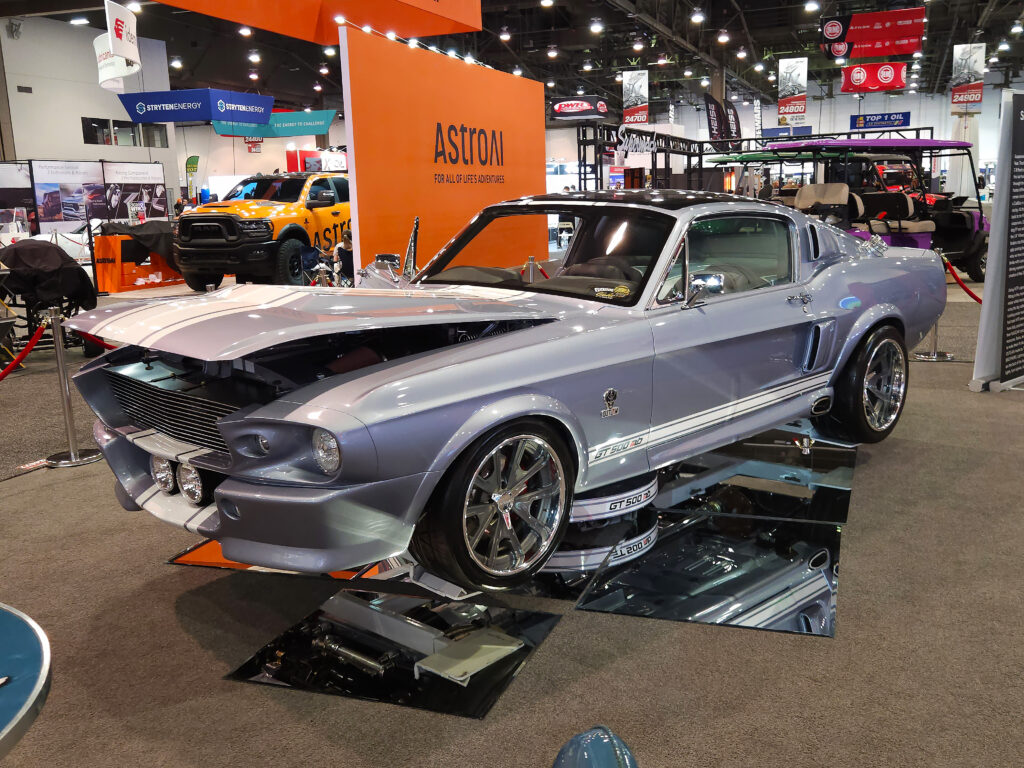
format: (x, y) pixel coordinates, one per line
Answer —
(238, 320)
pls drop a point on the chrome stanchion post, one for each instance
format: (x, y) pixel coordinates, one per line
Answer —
(72, 457)
(933, 355)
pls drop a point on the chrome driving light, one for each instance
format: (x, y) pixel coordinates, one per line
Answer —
(191, 484)
(326, 451)
(162, 472)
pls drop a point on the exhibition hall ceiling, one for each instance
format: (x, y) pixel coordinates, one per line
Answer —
(574, 44)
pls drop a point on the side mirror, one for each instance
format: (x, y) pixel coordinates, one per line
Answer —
(324, 198)
(390, 261)
(703, 285)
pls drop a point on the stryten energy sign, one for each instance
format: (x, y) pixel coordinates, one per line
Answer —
(197, 104)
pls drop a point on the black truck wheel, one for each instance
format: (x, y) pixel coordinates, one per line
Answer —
(198, 281)
(288, 270)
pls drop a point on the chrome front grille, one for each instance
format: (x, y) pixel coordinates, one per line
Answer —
(160, 400)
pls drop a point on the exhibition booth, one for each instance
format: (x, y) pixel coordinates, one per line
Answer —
(486, 406)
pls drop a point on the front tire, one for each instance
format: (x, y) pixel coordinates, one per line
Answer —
(288, 269)
(871, 390)
(198, 282)
(501, 510)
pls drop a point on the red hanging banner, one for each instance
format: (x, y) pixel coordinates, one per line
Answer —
(903, 46)
(867, 27)
(874, 77)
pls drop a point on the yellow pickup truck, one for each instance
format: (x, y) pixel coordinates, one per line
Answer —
(261, 227)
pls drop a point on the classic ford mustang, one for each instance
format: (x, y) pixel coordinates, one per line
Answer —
(559, 345)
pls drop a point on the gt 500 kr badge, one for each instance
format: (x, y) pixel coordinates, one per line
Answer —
(610, 409)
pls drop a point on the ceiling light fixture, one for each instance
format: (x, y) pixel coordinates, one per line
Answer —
(638, 44)
(176, 63)
(243, 31)
(697, 17)
(79, 21)
(324, 69)
(912, 90)
(596, 26)
(840, 60)
(367, 28)
(254, 75)
(504, 35)
(1003, 45)
(916, 65)
(741, 53)
(546, 3)
(307, 109)
(551, 83)
(317, 87)
(771, 77)
(1016, 29)
(390, 35)
(588, 65)
(759, 67)
(552, 51)
(918, 54)
(705, 82)
(687, 72)
(914, 75)
(413, 42)
(580, 90)
(518, 71)
(329, 51)
(254, 57)
(453, 53)
(985, 70)
(618, 77)
(662, 59)
(723, 37)
(746, 103)
(811, 6)
(993, 59)
(468, 58)
(339, 20)
(134, 7)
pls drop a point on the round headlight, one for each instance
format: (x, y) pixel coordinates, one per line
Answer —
(326, 451)
(191, 484)
(162, 471)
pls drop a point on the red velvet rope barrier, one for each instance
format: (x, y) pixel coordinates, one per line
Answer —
(968, 291)
(24, 353)
(96, 340)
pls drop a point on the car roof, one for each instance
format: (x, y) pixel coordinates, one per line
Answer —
(669, 199)
(295, 174)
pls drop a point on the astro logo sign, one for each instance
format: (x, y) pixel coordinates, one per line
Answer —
(468, 146)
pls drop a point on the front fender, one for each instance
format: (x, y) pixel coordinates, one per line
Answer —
(869, 319)
(492, 415)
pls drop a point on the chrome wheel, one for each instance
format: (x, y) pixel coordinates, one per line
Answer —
(885, 385)
(514, 505)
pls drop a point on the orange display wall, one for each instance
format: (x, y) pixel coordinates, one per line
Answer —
(436, 137)
(113, 275)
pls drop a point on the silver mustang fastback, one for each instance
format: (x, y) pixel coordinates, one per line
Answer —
(558, 345)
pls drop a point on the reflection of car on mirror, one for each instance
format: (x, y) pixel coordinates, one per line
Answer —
(456, 415)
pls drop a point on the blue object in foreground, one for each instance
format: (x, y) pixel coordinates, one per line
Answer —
(24, 674)
(596, 748)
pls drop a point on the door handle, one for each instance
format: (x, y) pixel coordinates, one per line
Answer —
(803, 297)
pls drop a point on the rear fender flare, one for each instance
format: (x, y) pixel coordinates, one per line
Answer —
(293, 232)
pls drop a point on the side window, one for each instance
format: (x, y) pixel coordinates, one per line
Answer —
(318, 186)
(749, 252)
(340, 188)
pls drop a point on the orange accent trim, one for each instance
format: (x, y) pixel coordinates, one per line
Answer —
(210, 555)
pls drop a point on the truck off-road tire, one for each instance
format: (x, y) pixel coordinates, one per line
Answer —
(199, 281)
(871, 390)
(288, 270)
(501, 510)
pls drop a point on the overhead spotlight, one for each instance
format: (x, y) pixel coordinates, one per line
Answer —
(918, 54)
(79, 21)
(1016, 29)
(705, 82)
(453, 53)
(771, 77)
(546, 3)
(638, 44)
(759, 67)
(134, 7)
(924, 37)
(993, 59)
(618, 77)
(916, 65)
(254, 57)
(412, 42)
(746, 103)
(723, 37)
(551, 83)
(662, 59)
(518, 71)
(596, 26)
(552, 51)
(243, 31)
(811, 6)
(580, 90)
(840, 60)
(587, 65)
(697, 17)
(324, 69)
(741, 53)
(390, 35)
(504, 35)
(339, 20)
(433, 48)
(307, 109)
(254, 75)
(687, 72)
(985, 70)
(912, 90)
(317, 87)
(1003, 45)
(176, 63)
(367, 28)
(914, 75)
(329, 51)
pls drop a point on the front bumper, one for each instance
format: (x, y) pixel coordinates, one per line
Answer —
(287, 527)
(252, 257)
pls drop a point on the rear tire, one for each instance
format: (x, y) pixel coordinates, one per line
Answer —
(871, 391)
(198, 282)
(288, 269)
(975, 268)
(479, 530)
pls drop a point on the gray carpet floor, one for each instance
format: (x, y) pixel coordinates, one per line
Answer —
(924, 669)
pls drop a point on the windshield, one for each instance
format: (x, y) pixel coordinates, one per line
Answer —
(605, 254)
(279, 189)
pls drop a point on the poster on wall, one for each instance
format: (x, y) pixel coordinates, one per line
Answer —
(968, 79)
(132, 189)
(17, 205)
(866, 78)
(634, 96)
(67, 192)
(793, 91)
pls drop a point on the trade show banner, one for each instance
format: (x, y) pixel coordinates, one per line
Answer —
(112, 69)
(879, 25)
(634, 96)
(191, 169)
(718, 127)
(999, 358)
(901, 46)
(879, 120)
(67, 192)
(732, 122)
(448, 139)
(313, 123)
(793, 91)
(17, 205)
(758, 118)
(196, 104)
(579, 108)
(121, 31)
(864, 78)
(968, 79)
(134, 190)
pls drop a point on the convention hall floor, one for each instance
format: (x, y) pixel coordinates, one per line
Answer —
(924, 669)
